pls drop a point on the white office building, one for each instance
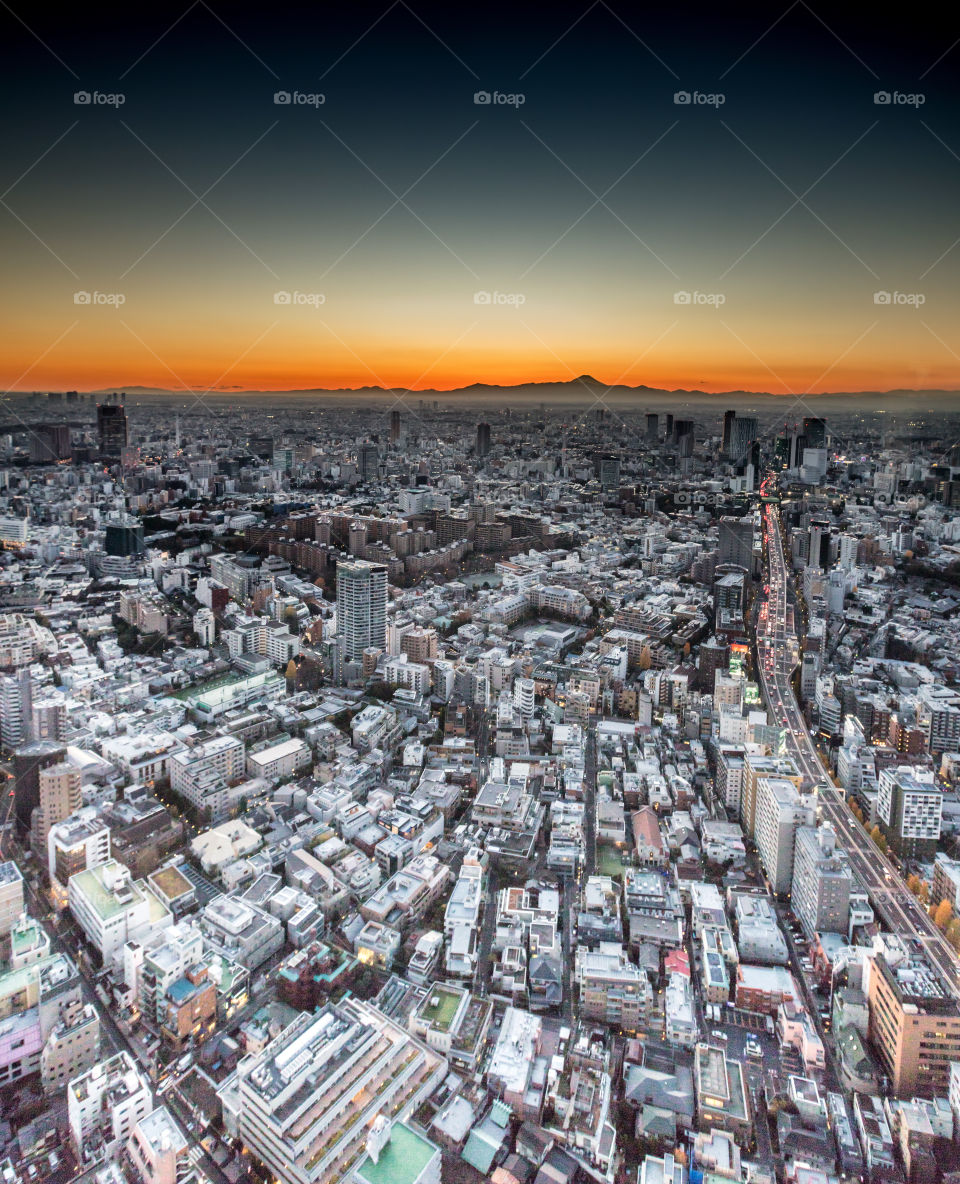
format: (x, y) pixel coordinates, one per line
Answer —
(111, 909)
(780, 810)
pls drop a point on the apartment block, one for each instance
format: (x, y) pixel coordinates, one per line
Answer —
(306, 1104)
(203, 774)
(103, 1107)
(914, 1024)
(780, 810)
(822, 881)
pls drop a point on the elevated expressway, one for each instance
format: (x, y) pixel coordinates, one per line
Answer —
(778, 654)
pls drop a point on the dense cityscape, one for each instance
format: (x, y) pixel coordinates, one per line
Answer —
(416, 789)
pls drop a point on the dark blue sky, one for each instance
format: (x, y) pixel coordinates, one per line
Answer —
(598, 198)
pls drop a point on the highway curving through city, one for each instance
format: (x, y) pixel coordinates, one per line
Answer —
(778, 654)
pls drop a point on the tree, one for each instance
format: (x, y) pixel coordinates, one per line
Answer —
(882, 844)
(913, 883)
(953, 933)
(876, 835)
(943, 914)
(924, 894)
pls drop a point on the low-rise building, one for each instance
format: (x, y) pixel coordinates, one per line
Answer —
(723, 1099)
(103, 1107)
(612, 988)
(157, 1150)
(679, 1014)
(454, 1022)
(241, 931)
(765, 988)
(407, 895)
(112, 909)
(285, 759)
(512, 1068)
(759, 936)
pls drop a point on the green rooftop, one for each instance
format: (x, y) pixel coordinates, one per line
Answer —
(222, 691)
(402, 1160)
(441, 1006)
(171, 882)
(25, 937)
(107, 904)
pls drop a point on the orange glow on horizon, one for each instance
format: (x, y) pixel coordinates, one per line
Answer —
(231, 358)
(192, 378)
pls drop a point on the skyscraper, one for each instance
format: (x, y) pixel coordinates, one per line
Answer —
(368, 462)
(60, 796)
(814, 432)
(743, 432)
(111, 429)
(124, 536)
(653, 427)
(28, 760)
(483, 439)
(361, 608)
(16, 707)
(681, 428)
(50, 443)
(608, 470)
(728, 418)
(394, 426)
(735, 542)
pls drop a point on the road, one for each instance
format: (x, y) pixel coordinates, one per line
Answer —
(590, 801)
(778, 654)
(487, 927)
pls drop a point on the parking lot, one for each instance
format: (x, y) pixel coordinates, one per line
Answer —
(735, 1038)
(746, 1019)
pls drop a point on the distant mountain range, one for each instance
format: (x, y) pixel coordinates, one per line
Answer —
(573, 391)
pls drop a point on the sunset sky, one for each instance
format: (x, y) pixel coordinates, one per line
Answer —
(387, 211)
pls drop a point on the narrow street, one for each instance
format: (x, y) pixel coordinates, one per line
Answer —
(590, 801)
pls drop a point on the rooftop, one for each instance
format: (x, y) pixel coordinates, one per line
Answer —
(9, 872)
(400, 1162)
(107, 898)
(171, 882)
(441, 1006)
